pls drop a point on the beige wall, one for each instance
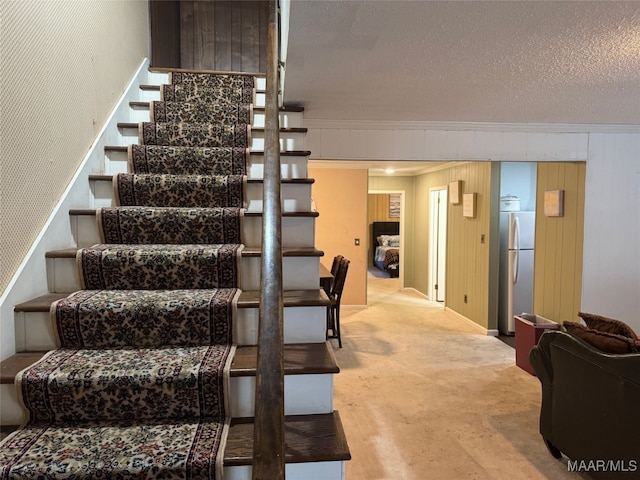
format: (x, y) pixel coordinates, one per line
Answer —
(340, 196)
(558, 255)
(64, 66)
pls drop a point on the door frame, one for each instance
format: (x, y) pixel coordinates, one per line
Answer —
(435, 222)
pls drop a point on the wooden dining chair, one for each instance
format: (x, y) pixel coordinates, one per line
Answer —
(334, 269)
(333, 310)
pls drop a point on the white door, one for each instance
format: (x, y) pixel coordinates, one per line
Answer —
(437, 243)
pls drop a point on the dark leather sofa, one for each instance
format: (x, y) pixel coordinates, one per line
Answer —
(590, 405)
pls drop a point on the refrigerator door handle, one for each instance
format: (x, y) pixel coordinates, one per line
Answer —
(516, 264)
(516, 233)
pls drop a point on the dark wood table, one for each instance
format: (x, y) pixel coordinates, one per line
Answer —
(325, 279)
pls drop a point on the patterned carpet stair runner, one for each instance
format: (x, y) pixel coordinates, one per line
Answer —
(138, 387)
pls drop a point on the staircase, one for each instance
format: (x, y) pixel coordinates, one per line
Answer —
(315, 442)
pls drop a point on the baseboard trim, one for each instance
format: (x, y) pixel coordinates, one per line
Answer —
(416, 291)
(480, 328)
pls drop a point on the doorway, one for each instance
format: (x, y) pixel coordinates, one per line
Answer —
(437, 242)
(386, 206)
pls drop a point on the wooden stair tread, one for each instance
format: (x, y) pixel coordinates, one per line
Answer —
(290, 298)
(212, 72)
(286, 108)
(253, 129)
(11, 366)
(92, 212)
(287, 153)
(298, 181)
(247, 299)
(246, 252)
(308, 438)
(40, 304)
(286, 252)
(299, 359)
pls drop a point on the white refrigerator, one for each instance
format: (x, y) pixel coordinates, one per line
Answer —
(517, 235)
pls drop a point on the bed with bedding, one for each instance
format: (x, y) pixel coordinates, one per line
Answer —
(386, 252)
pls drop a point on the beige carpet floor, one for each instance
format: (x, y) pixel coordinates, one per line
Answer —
(424, 395)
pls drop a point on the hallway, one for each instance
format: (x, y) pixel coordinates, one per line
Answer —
(425, 395)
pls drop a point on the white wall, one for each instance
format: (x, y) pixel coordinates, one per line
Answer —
(64, 67)
(611, 262)
(611, 274)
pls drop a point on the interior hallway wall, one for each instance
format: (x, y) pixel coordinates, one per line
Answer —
(340, 196)
(65, 64)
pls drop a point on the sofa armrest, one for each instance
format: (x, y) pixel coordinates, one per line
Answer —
(589, 398)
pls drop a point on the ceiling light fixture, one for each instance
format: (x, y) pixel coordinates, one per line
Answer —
(389, 171)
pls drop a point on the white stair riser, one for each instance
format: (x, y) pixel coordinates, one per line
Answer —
(287, 119)
(12, 412)
(303, 395)
(299, 273)
(158, 78)
(301, 325)
(288, 140)
(295, 471)
(295, 197)
(290, 166)
(35, 330)
(296, 231)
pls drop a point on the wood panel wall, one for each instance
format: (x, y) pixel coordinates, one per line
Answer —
(209, 35)
(558, 254)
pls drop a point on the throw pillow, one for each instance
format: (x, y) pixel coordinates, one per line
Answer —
(610, 325)
(604, 341)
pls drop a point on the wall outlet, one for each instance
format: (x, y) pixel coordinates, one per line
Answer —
(465, 298)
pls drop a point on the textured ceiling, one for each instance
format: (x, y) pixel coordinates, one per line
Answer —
(575, 62)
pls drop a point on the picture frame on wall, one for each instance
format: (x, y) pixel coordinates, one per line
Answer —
(394, 205)
(469, 205)
(554, 203)
(455, 189)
